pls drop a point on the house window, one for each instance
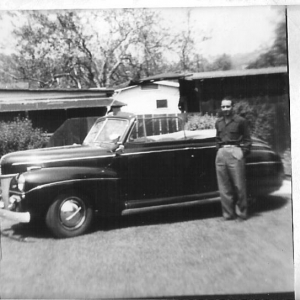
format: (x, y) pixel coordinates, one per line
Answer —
(149, 86)
(163, 103)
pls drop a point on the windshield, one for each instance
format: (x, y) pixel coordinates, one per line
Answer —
(106, 131)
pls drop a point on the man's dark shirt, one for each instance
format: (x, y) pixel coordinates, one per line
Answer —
(235, 132)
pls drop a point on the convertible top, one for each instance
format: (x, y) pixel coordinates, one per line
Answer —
(184, 134)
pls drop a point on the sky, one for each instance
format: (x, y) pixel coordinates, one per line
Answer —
(231, 30)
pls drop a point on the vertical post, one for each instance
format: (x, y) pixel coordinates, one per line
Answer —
(153, 124)
(144, 126)
(168, 125)
(160, 127)
(137, 127)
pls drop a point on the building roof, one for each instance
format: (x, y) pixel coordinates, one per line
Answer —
(213, 74)
(160, 77)
(28, 100)
(167, 83)
(163, 82)
(238, 73)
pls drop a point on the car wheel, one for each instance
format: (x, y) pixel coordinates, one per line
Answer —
(69, 215)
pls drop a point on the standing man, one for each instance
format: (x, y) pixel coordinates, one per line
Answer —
(233, 144)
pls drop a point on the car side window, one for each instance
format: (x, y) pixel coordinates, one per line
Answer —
(156, 130)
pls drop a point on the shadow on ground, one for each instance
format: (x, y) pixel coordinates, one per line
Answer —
(184, 214)
(21, 232)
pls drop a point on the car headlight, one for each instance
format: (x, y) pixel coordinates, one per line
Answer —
(21, 182)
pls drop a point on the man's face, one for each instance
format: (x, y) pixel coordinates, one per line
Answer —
(226, 107)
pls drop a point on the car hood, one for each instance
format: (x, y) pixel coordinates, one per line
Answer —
(20, 161)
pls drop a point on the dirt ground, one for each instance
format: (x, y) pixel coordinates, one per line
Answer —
(177, 252)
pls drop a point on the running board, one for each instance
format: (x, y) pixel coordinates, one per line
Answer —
(130, 211)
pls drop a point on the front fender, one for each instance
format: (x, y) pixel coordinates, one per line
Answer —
(100, 185)
(52, 176)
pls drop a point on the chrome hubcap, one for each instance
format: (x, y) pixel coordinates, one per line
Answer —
(72, 213)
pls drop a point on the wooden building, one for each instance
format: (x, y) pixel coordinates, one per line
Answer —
(160, 97)
(203, 93)
(48, 109)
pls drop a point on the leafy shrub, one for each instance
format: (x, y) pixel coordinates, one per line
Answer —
(247, 111)
(264, 124)
(197, 121)
(20, 135)
(260, 117)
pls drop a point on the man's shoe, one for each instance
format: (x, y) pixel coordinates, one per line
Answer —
(229, 218)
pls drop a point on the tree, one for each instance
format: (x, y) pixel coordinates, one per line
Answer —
(183, 44)
(277, 55)
(223, 63)
(186, 45)
(88, 49)
(104, 48)
(190, 60)
(142, 53)
(51, 51)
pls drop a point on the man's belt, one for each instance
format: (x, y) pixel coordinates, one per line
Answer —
(229, 145)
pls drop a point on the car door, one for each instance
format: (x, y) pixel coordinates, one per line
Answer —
(152, 164)
(202, 168)
(166, 165)
(149, 171)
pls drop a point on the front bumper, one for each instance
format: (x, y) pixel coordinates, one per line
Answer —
(5, 213)
(21, 217)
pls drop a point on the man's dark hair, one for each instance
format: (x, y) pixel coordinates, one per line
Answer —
(229, 99)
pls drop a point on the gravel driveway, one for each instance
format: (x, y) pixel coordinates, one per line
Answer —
(176, 252)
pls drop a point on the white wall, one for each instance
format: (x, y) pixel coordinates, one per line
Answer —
(144, 101)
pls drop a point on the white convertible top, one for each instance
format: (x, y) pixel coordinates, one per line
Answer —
(184, 134)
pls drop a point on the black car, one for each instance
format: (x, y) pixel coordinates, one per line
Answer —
(125, 163)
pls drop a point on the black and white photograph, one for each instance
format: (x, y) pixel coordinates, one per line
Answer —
(146, 151)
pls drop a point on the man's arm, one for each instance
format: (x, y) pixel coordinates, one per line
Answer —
(246, 145)
(218, 138)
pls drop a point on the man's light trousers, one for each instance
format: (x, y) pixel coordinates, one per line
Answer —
(230, 168)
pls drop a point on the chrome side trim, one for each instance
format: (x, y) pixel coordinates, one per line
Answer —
(158, 207)
(181, 149)
(126, 154)
(64, 159)
(167, 150)
(264, 163)
(113, 155)
(132, 204)
(63, 182)
(34, 168)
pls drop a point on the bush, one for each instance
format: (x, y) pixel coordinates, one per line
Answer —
(247, 111)
(197, 121)
(20, 135)
(260, 117)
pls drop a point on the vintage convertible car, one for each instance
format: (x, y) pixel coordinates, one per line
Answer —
(125, 164)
